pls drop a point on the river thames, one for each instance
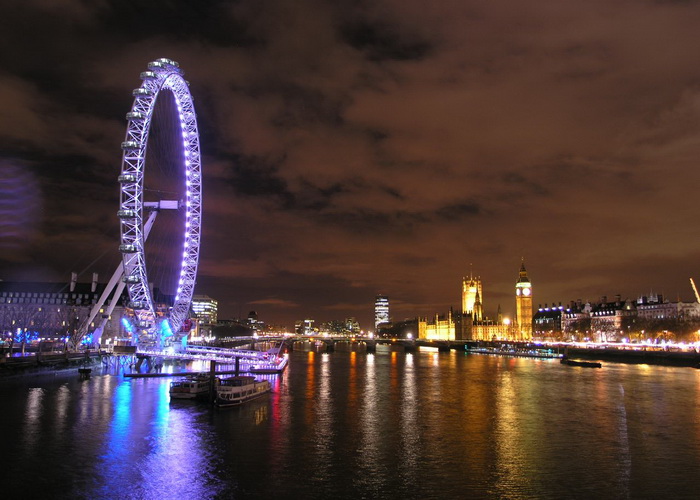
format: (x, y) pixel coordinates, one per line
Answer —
(349, 425)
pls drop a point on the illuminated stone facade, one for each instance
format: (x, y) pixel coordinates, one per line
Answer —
(494, 331)
(457, 326)
(523, 306)
(453, 326)
(472, 293)
(472, 325)
(611, 321)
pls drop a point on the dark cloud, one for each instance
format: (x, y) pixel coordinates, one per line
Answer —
(215, 22)
(252, 176)
(375, 223)
(458, 211)
(380, 42)
(302, 107)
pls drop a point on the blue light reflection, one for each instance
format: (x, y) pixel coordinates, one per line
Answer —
(155, 450)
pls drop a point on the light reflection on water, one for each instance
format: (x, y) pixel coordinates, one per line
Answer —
(368, 450)
(32, 418)
(355, 425)
(509, 442)
(410, 439)
(116, 467)
(321, 441)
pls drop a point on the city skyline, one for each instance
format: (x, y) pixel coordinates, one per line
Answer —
(351, 149)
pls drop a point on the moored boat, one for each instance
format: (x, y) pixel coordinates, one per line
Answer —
(196, 386)
(586, 364)
(522, 353)
(234, 391)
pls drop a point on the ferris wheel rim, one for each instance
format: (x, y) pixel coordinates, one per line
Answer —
(162, 74)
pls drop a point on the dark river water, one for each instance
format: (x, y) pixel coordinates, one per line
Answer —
(351, 425)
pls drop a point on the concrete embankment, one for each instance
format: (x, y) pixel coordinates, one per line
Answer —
(16, 364)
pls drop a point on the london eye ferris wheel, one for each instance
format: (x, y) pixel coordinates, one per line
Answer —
(138, 207)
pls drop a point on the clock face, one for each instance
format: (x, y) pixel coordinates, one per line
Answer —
(517, 291)
(526, 291)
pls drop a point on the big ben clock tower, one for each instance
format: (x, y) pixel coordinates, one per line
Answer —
(523, 305)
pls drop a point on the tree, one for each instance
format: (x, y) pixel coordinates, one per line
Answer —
(69, 319)
(19, 321)
(580, 328)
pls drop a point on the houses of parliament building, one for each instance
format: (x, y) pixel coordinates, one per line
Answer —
(470, 323)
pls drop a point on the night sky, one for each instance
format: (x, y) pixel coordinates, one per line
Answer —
(359, 147)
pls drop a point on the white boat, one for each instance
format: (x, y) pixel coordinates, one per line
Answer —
(234, 391)
(195, 386)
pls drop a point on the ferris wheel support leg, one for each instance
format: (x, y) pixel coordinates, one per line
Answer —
(97, 337)
(114, 281)
(75, 340)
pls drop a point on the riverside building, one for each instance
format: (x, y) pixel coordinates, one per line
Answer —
(616, 320)
(53, 311)
(206, 309)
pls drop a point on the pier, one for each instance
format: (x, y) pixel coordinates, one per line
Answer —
(150, 360)
(244, 360)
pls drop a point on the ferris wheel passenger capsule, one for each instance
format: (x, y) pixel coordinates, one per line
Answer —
(126, 178)
(169, 62)
(156, 65)
(127, 214)
(128, 248)
(135, 116)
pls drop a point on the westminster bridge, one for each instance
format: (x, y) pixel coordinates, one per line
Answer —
(330, 343)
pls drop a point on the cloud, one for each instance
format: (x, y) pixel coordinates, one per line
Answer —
(20, 205)
(274, 302)
(235, 269)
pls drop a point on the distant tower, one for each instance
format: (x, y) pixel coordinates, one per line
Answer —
(472, 295)
(381, 310)
(523, 304)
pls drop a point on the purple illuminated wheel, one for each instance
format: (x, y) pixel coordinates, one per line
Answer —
(137, 215)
